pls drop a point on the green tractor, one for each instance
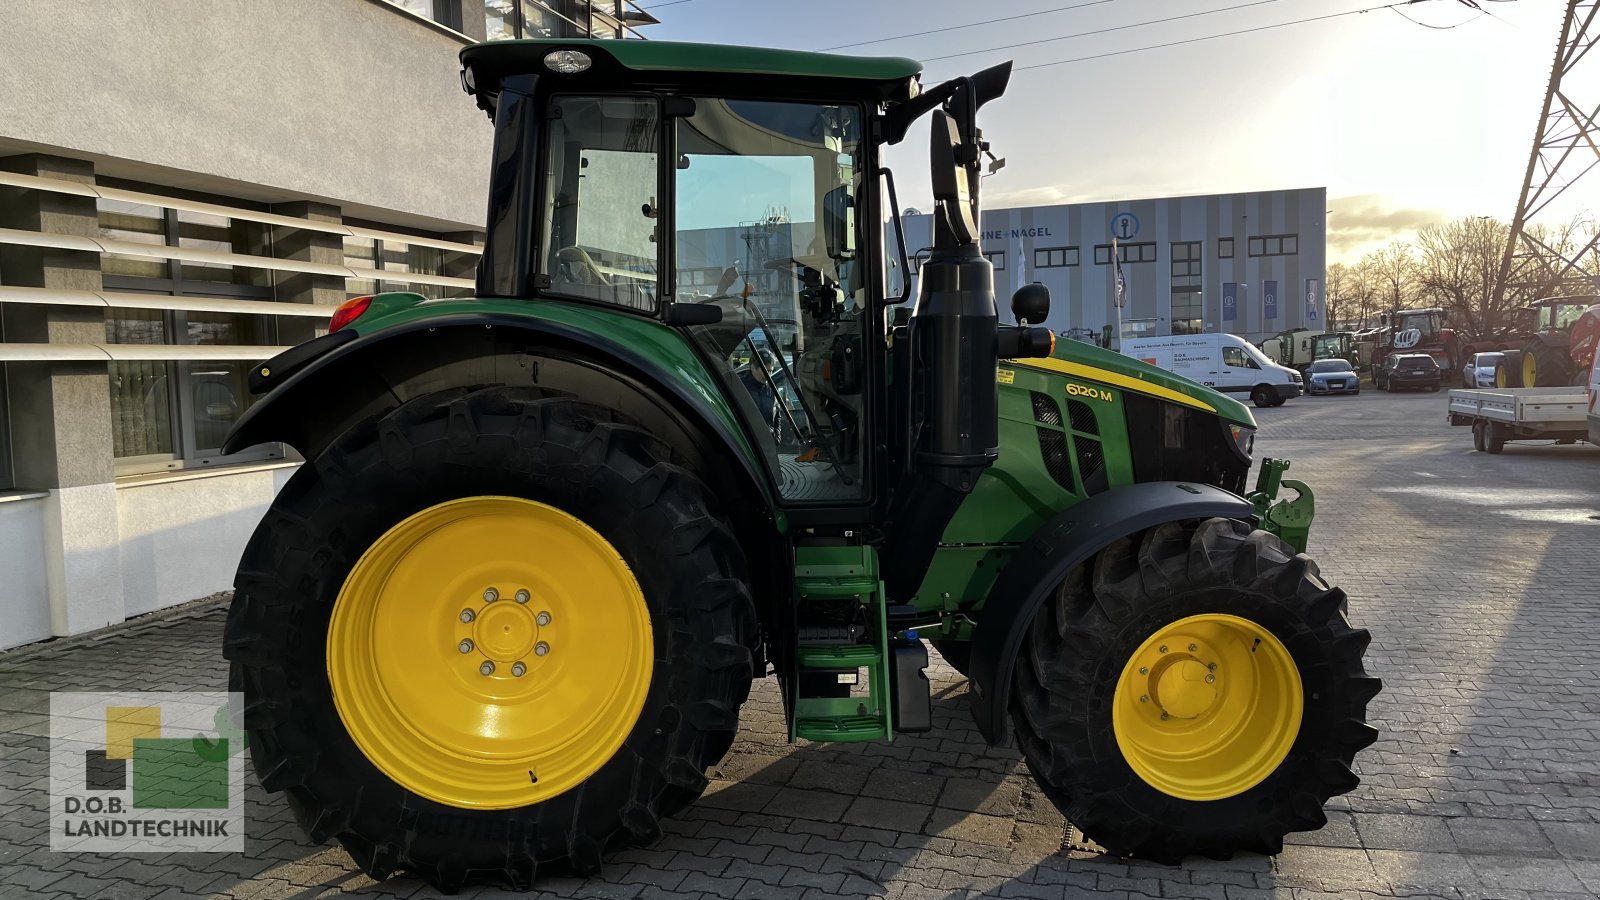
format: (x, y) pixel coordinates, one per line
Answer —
(692, 432)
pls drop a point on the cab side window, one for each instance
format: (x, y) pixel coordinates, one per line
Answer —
(1235, 358)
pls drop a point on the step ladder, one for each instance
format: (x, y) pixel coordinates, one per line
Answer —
(828, 580)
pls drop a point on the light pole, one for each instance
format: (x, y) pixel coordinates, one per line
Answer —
(1243, 324)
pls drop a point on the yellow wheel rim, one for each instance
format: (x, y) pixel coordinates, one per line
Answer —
(490, 652)
(1208, 707)
(1530, 370)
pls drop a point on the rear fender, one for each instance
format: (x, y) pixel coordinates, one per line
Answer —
(379, 370)
(1068, 540)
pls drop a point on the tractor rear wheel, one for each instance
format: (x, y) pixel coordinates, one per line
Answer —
(489, 634)
(1193, 689)
(1544, 365)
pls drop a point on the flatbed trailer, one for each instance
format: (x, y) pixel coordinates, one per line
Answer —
(1500, 415)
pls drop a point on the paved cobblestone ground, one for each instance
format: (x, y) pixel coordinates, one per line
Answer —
(1478, 575)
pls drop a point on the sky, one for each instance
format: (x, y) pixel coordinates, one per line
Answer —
(1402, 123)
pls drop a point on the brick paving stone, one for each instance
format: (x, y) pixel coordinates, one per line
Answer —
(1475, 573)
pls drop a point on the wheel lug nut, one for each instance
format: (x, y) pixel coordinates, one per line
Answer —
(1144, 698)
(522, 596)
(541, 648)
(1193, 647)
(1211, 679)
(487, 668)
(1164, 717)
(1211, 666)
(465, 646)
(518, 669)
(1144, 670)
(490, 595)
(542, 618)
(1163, 648)
(467, 615)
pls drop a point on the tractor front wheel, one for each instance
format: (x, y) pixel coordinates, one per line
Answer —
(488, 634)
(1193, 689)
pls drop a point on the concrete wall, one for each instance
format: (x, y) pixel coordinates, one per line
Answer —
(335, 99)
(182, 538)
(24, 592)
(1082, 296)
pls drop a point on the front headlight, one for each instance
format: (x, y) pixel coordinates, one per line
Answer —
(1243, 438)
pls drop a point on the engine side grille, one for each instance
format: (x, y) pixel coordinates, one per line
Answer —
(1053, 447)
(1083, 419)
(1091, 463)
(1045, 409)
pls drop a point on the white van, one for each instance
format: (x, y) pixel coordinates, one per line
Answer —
(1225, 362)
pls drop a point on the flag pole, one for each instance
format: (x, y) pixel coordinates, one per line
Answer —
(1116, 263)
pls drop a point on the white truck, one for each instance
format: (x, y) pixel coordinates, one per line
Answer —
(1499, 415)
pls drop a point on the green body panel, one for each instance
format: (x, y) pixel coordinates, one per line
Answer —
(1018, 494)
(675, 56)
(659, 344)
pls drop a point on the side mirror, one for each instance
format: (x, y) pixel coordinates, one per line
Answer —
(1031, 304)
(836, 223)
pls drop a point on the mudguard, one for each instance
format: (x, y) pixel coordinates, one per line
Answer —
(1068, 540)
(378, 369)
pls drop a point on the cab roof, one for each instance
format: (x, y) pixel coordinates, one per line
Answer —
(693, 65)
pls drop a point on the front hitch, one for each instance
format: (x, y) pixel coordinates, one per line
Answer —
(1290, 520)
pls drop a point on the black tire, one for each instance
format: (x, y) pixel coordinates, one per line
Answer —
(1433, 389)
(957, 653)
(574, 455)
(1066, 676)
(1262, 396)
(1494, 438)
(1478, 442)
(1508, 369)
(1551, 364)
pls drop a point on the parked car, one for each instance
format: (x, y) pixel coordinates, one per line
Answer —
(1225, 362)
(1407, 370)
(1478, 372)
(1332, 376)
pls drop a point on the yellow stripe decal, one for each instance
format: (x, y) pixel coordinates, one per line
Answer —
(1107, 376)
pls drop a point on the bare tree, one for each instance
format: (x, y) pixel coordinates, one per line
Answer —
(1458, 267)
(1338, 279)
(1395, 268)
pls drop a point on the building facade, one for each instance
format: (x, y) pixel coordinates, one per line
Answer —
(185, 190)
(1250, 264)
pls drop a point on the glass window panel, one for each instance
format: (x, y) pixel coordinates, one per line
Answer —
(1274, 246)
(540, 22)
(1102, 255)
(499, 19)
(225, 328)
(360, 253)
(217, 394)
(420, 7)
(142, 223)
(1255, 246)
(1225, 248)
(224, 235)
(141, 408)
(600, 219)
(1291, 244)
(766, 192)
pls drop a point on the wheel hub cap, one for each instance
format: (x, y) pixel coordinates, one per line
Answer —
(1207, 707)
(490, 652)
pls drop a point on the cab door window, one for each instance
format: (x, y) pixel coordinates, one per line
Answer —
(767, 197)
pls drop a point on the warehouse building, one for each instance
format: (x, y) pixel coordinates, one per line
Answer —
(186, 189)
(1250, 264)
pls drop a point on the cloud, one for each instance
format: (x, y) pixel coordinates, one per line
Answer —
(1363, 221)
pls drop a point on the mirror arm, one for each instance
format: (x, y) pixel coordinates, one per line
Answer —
(899, 236)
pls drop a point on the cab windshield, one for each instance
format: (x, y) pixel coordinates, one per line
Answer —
(766, 227)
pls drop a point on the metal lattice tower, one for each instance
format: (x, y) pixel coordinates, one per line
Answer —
(1566, 146)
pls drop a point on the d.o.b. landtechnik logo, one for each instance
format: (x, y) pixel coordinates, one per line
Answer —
(146, 772)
